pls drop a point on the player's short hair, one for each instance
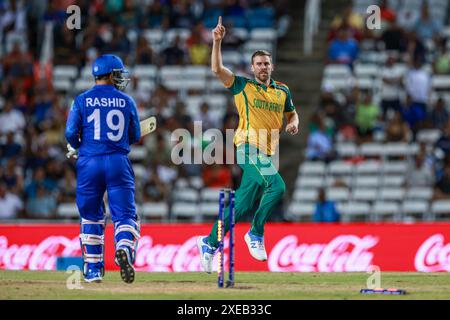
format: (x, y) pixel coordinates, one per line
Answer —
(259, 53)
(103, 77)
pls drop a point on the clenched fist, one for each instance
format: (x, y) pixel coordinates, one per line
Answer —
(218, 33)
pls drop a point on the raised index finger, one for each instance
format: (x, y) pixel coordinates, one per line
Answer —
(219, 23)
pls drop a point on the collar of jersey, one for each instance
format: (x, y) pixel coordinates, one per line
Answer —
(105, 86)
(272, 84)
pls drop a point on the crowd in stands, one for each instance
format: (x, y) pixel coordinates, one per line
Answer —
(35, 176)
(408, 50)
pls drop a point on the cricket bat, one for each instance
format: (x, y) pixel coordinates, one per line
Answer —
(148, 126)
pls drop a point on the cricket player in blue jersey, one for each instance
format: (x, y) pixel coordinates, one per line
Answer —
(102, 124)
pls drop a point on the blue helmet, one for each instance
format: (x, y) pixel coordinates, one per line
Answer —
(111, 64)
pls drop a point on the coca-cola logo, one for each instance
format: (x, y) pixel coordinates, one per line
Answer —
(40, 256)
(344, 253)
(169, 257)
(433, 255)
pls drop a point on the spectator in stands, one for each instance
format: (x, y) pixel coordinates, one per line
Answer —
(441, 64)
(418, 86)
(11, 120)
(10, 148)
(325, 210)
(119, 44)
(319, 146)
(12, 176)
(394, 38)
(182, 17)
(366, 117)
(422, 174)
(348, 20)
(439, 115)
(11, 205)
(416, 49)
(443, 143)
(397, 129)
(67, 187)
(217, 176)
(343, 50)
(43, 205)
(391, 87)
(427, 28)
(442, 186)
(207, 118)
(415, 115)
(155, 190)
(145, 53)
(174, 54)
(65, 51)
(198, 48)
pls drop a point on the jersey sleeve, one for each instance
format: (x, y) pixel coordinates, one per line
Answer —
(135, 128)
(238, 85)
(288, 104)
(73, 125)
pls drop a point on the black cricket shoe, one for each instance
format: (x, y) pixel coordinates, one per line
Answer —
(126, 268)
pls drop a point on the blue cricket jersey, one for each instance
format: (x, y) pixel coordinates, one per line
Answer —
(103, 121)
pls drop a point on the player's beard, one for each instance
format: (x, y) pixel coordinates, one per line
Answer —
(263, 77)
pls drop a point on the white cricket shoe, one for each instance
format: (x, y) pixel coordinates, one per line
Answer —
(206, 254)
(256, 246)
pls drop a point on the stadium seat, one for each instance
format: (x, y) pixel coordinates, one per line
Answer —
(155, 209)
(367, 70)
(137, 153)
(393, 180)
(428, 136)
(340, 168)
(263, 34)
(351, 210)
(305, 195)
(210, 194)
(186, 210)
(67, 210)
(145, 71)
(186, 195)
(298, 211)
(372, 149)
(414, 208)
(399, 167)
(309, 182)
(62, 85)
(421, 193)
(370, 195)
(369, 167)
(392, 194)
(65, 72)
(312, 168)
(333, 71)
(346, 150)
(440, 208)
(338, 194)
(209, 209)
(381, 209)
(140, 171)
(366, 181)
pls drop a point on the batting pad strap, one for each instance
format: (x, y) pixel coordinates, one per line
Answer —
(127, 228)
(126, 243)
(92, 258)
(84, 221)
(92, 239)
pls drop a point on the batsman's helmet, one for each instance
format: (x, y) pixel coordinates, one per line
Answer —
(111, 64)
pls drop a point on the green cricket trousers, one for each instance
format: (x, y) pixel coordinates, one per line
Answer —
(260, 179)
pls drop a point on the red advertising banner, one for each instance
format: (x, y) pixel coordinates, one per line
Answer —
(290, 247)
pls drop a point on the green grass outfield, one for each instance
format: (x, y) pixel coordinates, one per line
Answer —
(256, 285)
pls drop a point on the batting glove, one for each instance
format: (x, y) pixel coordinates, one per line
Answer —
(72, 152)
